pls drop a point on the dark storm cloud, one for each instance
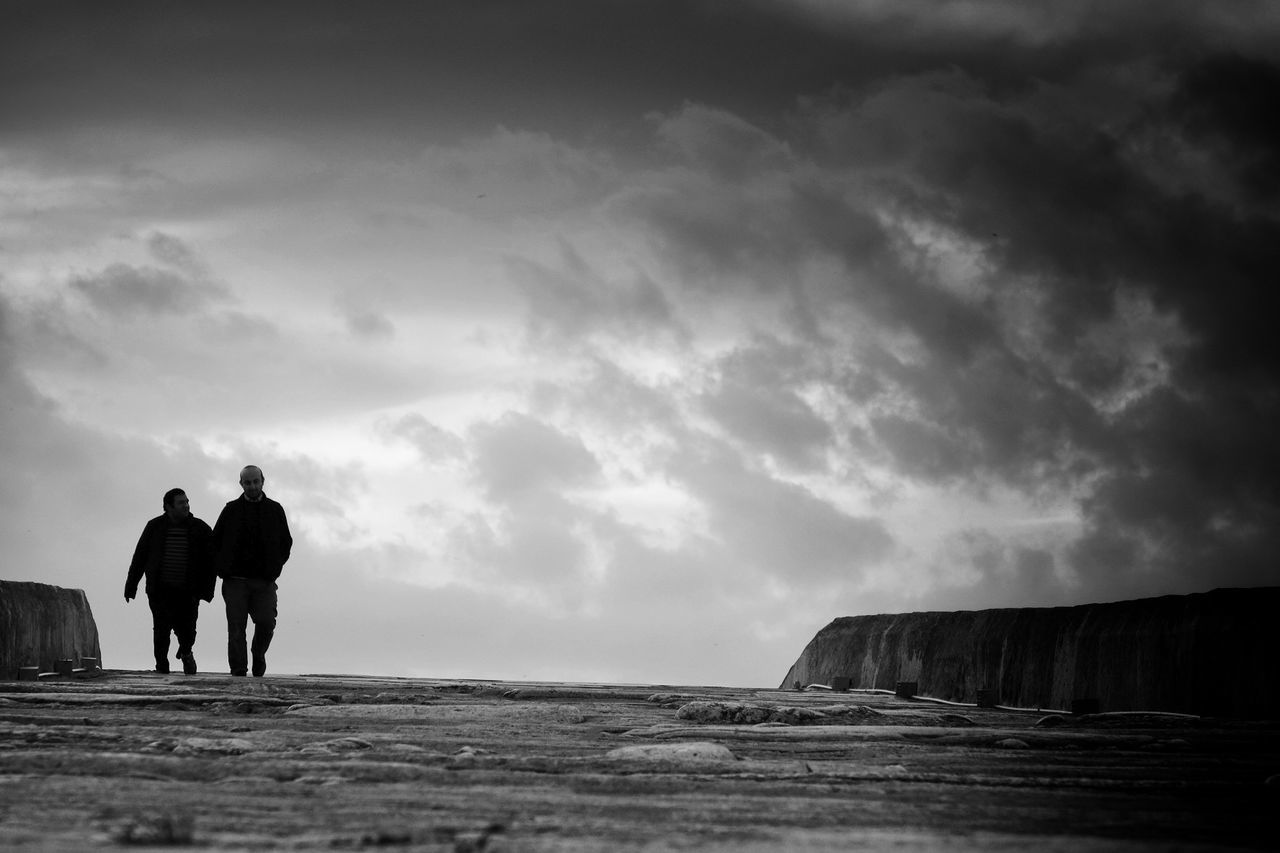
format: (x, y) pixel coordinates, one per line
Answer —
(457, 66)
(1196, 496)
(1229, 102)
(1188, 487)
(998, 417)
(1120, 180)
(1190, 483)
(402, 64)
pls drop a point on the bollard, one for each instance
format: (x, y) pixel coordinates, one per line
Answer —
(89, 664)
(1084, 706)
(987, 698)
(841, 683)
(906, 689)
(28, 673)
(64, 666)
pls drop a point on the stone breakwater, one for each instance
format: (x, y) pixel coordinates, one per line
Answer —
(41, 625)
(1207, 653)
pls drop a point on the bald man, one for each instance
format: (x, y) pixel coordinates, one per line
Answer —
(251, 544)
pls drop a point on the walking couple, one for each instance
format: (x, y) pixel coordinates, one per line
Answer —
(181, 558)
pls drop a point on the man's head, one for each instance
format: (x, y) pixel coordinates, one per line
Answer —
(176, 505)
(251, 481)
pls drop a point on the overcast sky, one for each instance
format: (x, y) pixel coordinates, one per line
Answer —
(634, 342)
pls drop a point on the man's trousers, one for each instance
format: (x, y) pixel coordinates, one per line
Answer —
(173, 609)
(249, 598)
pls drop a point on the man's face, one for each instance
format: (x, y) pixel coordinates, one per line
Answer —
(251, 482)
(180, 508)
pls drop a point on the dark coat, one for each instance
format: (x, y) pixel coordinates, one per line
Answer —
(276, 541)
(149, 555)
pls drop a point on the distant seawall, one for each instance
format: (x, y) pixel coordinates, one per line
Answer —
(1209, 653)
(42, 624)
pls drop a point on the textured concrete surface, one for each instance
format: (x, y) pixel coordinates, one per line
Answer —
(340, 762)
(1208, 653)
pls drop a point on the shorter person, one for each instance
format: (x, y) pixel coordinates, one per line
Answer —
(175, 555)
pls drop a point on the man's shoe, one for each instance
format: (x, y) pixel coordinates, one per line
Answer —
(189, 664)
(259, 666)
(162, 667)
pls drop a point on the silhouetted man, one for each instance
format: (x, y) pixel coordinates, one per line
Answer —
(174, 554)
(251, 544)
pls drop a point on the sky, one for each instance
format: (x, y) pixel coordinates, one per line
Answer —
(589, 340)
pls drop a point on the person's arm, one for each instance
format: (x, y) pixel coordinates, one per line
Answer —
(139, 563)
(202, 561)
(221, 530)
(286, 540)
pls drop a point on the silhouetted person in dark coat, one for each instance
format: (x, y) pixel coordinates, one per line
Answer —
(175, 554)
(251, 544)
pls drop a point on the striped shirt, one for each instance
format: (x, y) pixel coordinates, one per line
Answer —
(173, 565)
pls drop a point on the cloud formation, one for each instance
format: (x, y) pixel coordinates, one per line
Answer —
(642, 355)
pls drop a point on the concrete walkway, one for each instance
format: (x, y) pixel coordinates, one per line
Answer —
(344, 762)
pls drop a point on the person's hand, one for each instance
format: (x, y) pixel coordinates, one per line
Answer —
(130, 592)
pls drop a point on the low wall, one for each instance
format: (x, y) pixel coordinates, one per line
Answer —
(40, 624)
(1208, 653)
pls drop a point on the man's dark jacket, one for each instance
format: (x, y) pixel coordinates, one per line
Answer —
(227, 533)
(149, 556)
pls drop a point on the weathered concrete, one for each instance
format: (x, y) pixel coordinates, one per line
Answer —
(339, 762)
(1209, 653)
(41, 625)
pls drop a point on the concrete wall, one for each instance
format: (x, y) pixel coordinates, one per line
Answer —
(1210, 653)
(40, 624)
